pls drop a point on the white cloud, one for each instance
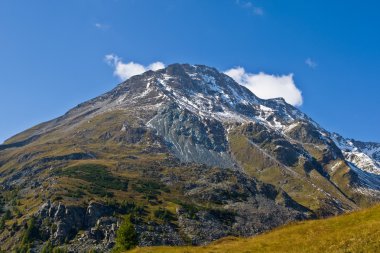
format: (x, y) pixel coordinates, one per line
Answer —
(312, 64)
(268, 86)
(250, 6)
(126, 70)
(101, 26)
(156, 66)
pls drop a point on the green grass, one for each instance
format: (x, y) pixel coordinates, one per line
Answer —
(354, 232)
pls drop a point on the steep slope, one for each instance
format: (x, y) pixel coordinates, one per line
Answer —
(191, 153)
(354, 232)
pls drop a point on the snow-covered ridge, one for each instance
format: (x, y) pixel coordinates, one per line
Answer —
(215, 95)
(364, 157)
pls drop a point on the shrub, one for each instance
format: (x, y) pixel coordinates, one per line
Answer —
(131, 208)
(163, 214)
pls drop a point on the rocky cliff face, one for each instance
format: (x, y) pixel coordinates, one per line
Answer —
(59, 223)
(192, 155)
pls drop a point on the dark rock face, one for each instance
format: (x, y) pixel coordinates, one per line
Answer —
(101, 237)
(154, 234)
(94, 212)
(205, 226)
(67, 221)
(59, 224)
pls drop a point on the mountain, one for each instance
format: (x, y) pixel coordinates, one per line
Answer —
(191, 154)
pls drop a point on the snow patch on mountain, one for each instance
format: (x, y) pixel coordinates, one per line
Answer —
(363, 158)
(369, 183)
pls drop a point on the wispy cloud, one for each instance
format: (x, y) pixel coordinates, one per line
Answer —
(256, 10)
(310, 63)
(101, 26)
(125, 70)
(268, 86)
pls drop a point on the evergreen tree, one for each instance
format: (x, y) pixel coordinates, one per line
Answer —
(126, 237)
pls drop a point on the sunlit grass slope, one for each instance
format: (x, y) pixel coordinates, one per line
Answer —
(353, 232)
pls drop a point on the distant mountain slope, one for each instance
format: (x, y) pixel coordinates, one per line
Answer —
(354, 232)
(191, 153)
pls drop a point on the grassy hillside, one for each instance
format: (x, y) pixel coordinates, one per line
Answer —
(354, 232)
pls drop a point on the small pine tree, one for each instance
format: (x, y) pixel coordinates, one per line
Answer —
(126, 237)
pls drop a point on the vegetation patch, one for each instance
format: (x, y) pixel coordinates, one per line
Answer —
(150, 189)
(30, 234)
(130, 208)
(98, 176)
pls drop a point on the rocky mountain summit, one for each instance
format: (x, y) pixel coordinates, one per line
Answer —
(190, 155)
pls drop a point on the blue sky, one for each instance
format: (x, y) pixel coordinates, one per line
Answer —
(52, 53)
